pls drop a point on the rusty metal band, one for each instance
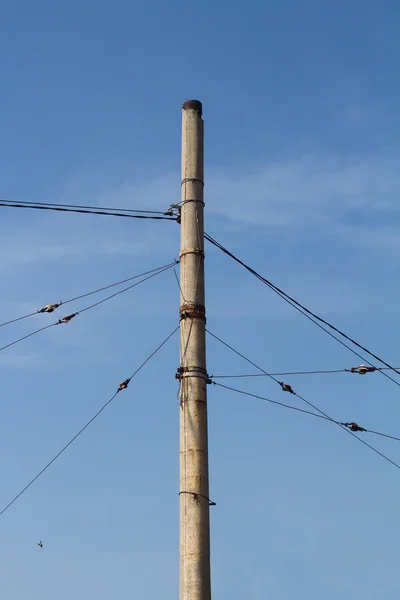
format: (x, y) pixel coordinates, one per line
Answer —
(193, 311)
(192, 314)
(192, 251)
(193, 307)
(193, 105)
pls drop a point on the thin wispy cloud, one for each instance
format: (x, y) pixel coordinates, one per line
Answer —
(21, 361)
(61, 240)
(358, 117)
(355, 201)
(308, 191)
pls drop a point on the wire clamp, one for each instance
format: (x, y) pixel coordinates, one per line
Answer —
(123, 385)
(173, 211)
(286, 387)
(199, 372)
(195, 200)
(362, 370)
(353, 426)
(192, 180)
(192, 251)
(196, 497)
(49, 308)
(192, 311)
(67, 318)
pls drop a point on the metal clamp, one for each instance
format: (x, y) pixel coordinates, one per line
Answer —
(187, 200)
(192, 179)
(192, 251)
(199, 372)
(362, 370)
(192, 311)
(196, 497)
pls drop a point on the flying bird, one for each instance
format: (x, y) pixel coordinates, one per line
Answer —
(40, 544)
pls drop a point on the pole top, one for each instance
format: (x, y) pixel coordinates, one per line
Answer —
(194, 105)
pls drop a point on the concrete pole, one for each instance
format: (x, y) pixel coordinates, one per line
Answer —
(195, 581)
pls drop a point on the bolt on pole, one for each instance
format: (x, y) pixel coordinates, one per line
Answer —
(195, 580)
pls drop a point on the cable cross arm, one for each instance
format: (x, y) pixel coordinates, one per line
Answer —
(120, 388)
(67, 318)
(50, 308)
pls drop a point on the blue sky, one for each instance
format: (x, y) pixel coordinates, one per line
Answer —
(300, 102)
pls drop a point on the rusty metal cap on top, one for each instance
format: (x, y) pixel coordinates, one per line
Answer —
(194, 105)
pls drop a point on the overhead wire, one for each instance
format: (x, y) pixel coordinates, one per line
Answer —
(179, 285)
(18, 319)
(265, 373)
(85, 295)
(316, 372)
(307, 313)
(162, 270)
(90, 212)
(68, 318)
(300, 410)
(87, 424)
(126, 210)
(287, 388)
(25, 337)
(249, 375)
(111, 285)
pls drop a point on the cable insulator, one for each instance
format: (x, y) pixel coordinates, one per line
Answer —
(49, 308)
(353, 426)
(123, 385)
(362, 370)
(67, 318)
(286, 387)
